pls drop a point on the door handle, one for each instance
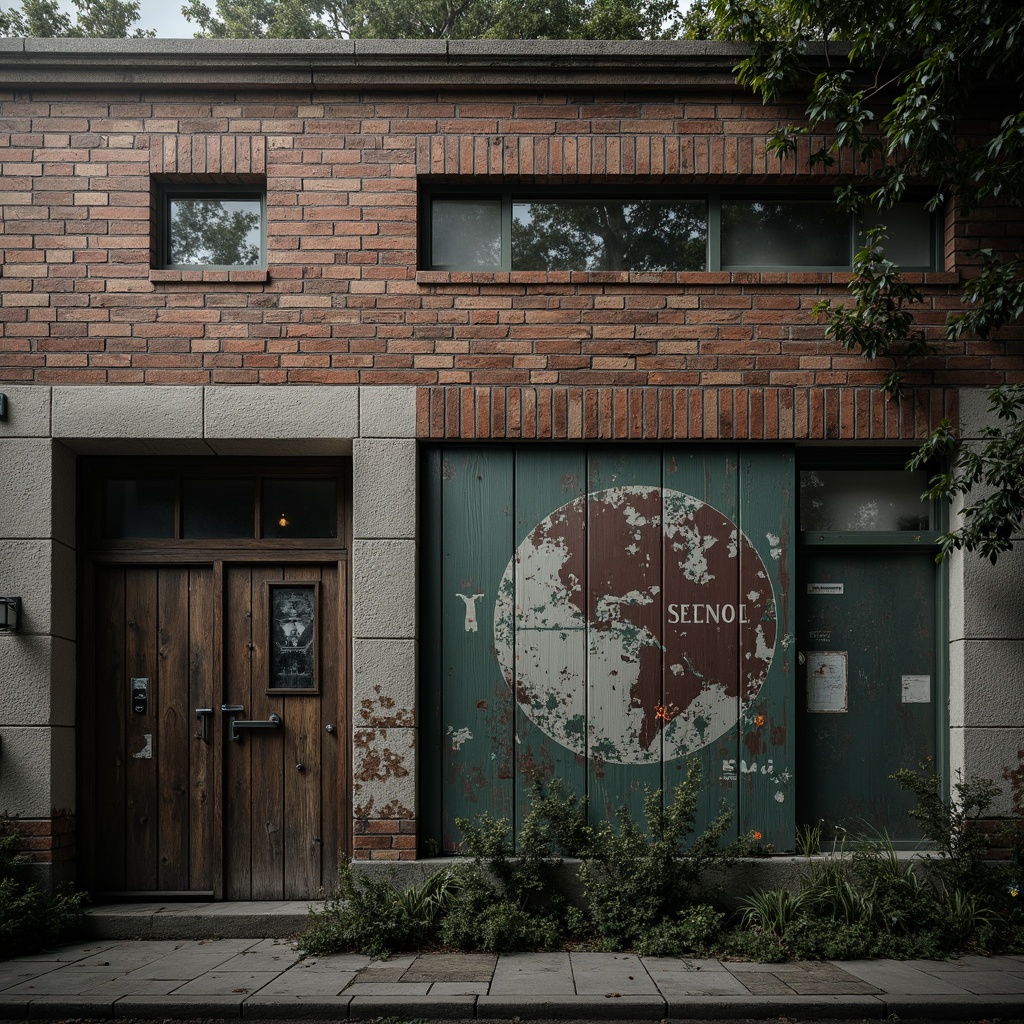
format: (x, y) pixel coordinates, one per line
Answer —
(273, 722)
(203, 717)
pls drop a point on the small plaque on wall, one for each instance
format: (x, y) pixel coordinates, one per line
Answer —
(826, 682)
(293, 637)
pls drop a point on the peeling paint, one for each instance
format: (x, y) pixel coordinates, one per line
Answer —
(458, 736)
(654, 691)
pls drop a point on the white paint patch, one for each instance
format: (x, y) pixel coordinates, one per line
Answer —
(780, 797)
(470, 600)
(459, 736)
(146, 753)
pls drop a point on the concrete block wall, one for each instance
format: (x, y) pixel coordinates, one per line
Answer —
(986, 646)
(37, 665)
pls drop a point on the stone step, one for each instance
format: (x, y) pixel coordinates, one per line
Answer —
(169, 920)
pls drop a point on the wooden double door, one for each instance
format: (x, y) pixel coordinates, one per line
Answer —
(203, 772)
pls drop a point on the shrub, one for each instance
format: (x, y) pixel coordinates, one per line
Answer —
(31, 917)
(639, 879)
(372, 916)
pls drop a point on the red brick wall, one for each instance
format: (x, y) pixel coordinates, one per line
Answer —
(683, 355)
(46, 840)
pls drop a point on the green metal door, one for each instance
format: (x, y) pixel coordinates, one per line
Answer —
(867, 686)
(607, 616)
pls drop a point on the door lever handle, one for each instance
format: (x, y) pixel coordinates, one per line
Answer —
(273, 722)
(203, 717)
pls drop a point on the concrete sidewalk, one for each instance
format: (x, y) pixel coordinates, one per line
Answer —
(263, 979)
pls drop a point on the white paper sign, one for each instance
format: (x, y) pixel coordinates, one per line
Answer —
(825, 588)
(917, 689)
(826, 682)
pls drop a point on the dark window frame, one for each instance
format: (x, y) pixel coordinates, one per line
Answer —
(167, 192)
(712, 196)
(97, 471)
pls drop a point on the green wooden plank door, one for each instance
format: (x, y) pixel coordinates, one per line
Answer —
(605, 614)
(868, 687)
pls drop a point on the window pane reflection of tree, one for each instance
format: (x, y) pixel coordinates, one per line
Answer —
(784, 234)
(215, 232)
(609, 235)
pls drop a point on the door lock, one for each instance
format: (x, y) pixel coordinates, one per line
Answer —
(203, 717)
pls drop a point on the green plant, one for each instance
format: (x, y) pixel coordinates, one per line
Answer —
(808, 839)
(952, 825)
(371, 915)
(511, 900)
(31, 917)
(696, 931)
(773, 910)
(636, 878)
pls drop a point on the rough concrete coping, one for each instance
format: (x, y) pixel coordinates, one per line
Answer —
(380, 63)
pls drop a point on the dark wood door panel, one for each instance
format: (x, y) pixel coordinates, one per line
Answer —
(177, 805)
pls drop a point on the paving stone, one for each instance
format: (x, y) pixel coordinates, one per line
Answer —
(65, 954)
(333, 962)
(601, 973)
(309, 983)
(361, 988)
(226, 983)
(991, 983)
(899, 978)
(674, 984)
(454, 967)
(383, 975)
(540, 974)
(672, 963)
(59, 983)
(764, 984)
(274, 958)
(459, 988)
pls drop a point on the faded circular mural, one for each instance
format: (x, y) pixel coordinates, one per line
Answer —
(633, 624)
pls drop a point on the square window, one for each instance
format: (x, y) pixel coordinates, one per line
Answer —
(212, 227)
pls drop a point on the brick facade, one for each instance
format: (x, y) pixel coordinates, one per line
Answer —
(347, 138)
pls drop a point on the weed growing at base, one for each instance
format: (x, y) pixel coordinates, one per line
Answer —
(642, 887)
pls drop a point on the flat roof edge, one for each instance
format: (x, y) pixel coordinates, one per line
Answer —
(375, 63)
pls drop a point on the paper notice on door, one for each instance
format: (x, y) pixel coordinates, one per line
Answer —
(826, 682)
(917, 689)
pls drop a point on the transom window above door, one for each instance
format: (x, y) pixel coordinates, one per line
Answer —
(277, 503)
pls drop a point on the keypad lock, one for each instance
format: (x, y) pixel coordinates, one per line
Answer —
(140, 696)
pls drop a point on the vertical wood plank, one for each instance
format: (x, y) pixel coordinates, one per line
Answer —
(174, 726)
(203, 792)
(477, 727)
(142, 739)
(265, 750)
(546, 653)
(432, 689)
(110, 712)
(766, 769)
(301, 739)
(334, 808)
(624, 609)
(236, 774)
(701, 631)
